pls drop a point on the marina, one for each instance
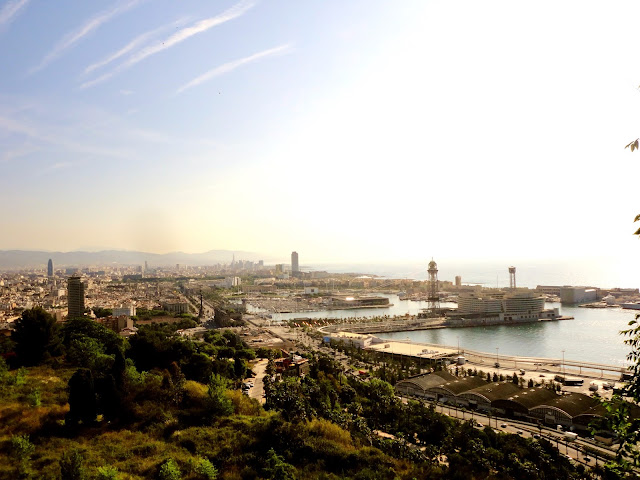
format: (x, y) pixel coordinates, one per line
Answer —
(592, 336)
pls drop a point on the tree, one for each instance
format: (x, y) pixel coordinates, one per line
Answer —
(36, 335)
(205, 469)
(620, 418)
(71, 467)
(169, 470)
(277, 469)
(271, 367)
(21, 451)
(218, 403)
(82, 396)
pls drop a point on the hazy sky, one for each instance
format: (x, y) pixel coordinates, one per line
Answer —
(346, 130)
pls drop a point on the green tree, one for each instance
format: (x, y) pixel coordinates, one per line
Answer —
(620, 418)
(218, 403)
(21, 450)
(71, 466)
(239, 368)
(271, 367)
(169, 470)
(88, 352)
(205, 469)
(36, 335)
(107, 472)
(100, 312)
(277, 469)
(82, 328)
(82, 396)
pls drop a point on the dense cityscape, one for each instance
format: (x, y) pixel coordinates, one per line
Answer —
(362, 240)
(142, 307)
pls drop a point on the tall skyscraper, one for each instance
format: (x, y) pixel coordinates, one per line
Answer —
(50, 268)
(75, 297)
(295, 268)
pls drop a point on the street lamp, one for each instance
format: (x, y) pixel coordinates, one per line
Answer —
(497, 362)
(563, 369)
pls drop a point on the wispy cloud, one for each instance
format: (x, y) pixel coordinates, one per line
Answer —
(55, 166)
(230, 66)
(138, 41)
(58, 138)
(72, 38)
(180, 36)
(10, 11)
(17, 152)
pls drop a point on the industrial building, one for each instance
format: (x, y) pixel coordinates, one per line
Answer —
(577, 295)
(504, 398)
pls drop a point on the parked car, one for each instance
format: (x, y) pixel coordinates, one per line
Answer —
(503, 425)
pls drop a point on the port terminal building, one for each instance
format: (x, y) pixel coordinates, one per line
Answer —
(502, 307)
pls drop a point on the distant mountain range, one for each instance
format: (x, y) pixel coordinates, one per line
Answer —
(13, 259)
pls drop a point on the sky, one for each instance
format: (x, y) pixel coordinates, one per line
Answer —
(359, 131)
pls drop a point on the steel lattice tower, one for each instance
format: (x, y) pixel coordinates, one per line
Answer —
(433, 298)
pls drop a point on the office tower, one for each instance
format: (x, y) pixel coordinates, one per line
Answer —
(75, 297)
(295, 268)
(50, 268)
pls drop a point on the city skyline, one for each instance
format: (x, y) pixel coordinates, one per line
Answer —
(475, 133)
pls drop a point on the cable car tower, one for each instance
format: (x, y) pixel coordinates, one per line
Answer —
(433, 307)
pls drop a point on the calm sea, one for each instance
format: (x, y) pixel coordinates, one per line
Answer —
(592, 336)
(599, 272)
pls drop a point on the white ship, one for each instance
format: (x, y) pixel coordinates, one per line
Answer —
(631, 306)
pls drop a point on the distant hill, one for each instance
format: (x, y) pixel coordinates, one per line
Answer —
(14, 259)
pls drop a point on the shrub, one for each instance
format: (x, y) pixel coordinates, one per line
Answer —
(107, 473)
(71, 467)
(205, 469)
(330, 431)
(20, 377)
(21, 447)
(21, 451)
(34, 398)
(169, 470)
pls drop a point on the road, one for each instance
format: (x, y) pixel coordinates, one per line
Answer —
(257, 391)
(574, 449)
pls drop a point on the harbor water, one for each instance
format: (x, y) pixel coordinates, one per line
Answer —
(592, 336)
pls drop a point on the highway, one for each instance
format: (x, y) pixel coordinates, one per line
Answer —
(574, 449)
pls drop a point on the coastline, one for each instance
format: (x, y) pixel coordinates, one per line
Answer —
(414, 323)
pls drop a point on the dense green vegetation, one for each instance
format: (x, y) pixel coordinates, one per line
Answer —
(161, 406)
